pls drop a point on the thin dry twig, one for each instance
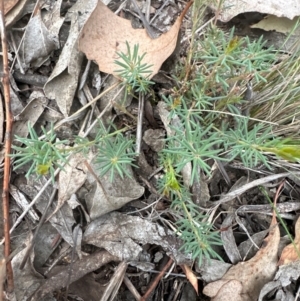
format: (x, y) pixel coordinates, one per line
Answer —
(233, 194)
(7, 146)
(115, 282)
(2, 276)
(140, 123)
(132, 289)
(156, 280)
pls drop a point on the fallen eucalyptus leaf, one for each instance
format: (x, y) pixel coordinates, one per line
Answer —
(245, 280)
(37, 104)
(291, 252)
(14, 12)
(38, 42)
(105, 34)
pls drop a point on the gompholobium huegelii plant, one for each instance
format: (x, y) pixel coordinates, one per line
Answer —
(215, 124)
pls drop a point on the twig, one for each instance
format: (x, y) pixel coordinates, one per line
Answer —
(17, 53)
(7, 145)
(115, 282)
(2, 277)
(233, 194)
(156, 280)
(131, 288)
(140, 123)
(146, 24)
(32, 203)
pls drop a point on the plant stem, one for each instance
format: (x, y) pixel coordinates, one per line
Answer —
(8, 134)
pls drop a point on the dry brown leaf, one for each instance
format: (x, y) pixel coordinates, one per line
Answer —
(252, 275)
(124, 235)
(226, 290)
(105, 195)
(190, 276)
(14, 12)
(289, 253)
(9, 4)
(39, 40)
(105, 34)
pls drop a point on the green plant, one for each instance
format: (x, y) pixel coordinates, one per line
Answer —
(45, 155)
(208, 84)
(115, 152)
(115, 155)
(210, 106)
(133, 71)
(198, 234)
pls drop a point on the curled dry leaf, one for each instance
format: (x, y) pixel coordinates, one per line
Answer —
(14, 11)
(190, 276)
(105, 34)
(232, 8)
(290, 253)
(270, 23)
(245, 280)
(9, 4)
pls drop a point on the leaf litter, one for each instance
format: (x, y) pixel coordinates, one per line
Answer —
(91, 213)
(245, 280)
(103, 44)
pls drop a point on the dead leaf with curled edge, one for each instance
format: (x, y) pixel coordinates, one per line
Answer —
(290, 253)
(244, 281)
(190, 276)
(279, 8)
(270, 23)
(14, 10)
(105, 34)
(9, 4)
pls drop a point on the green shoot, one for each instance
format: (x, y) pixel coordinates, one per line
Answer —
(197, 234)
(43, 155)
(133, 71)
(115, 155)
